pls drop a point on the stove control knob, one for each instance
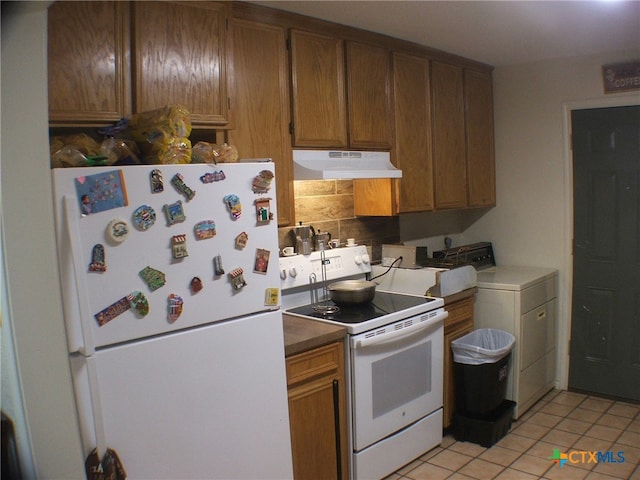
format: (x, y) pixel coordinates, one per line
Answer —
(283, 274)
(357, 259)
(365, 258)
(293, 272)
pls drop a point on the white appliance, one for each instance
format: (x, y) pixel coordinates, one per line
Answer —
(171, 302)
(522, 301)
(394, 359)
(336, 164)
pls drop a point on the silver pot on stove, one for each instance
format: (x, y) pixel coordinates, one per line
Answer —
(352, 292)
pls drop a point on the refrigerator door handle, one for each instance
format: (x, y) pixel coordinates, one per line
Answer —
(96, 406)
(73, 231)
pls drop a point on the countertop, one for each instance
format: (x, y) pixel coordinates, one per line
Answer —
(302, 334)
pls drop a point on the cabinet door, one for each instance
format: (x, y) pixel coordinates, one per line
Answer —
(478, 96)
(318, 91)
(317, 413)
(259, 103)
(449, 154)
(412, 150)
(369, 97)
(180, 58)
(88, 62)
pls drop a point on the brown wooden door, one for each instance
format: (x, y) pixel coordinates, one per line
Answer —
(412, 150)
(605, 327)
(318, 90)
(88, 62)
(180, 58)
(449, 156)
(369, 97)
(260, 104)
(481, 176)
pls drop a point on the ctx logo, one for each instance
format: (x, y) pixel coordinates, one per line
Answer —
(583, 456)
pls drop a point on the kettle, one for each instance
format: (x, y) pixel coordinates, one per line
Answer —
(321, 240)
(304, 238)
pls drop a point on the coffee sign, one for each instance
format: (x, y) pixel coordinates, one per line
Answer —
(621, 77)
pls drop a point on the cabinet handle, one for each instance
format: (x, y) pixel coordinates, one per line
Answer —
(336, 421)
(541, 314)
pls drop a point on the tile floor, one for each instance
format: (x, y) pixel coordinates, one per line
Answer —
(569, 422)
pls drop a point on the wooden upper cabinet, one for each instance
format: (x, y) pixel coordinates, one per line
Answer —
(449, 151)
(180, 57)
(478, 97)
(412, 152)
(260, 104)
(318, 90)
(369, 97)
(88, 62)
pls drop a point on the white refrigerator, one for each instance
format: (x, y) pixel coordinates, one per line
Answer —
(171, 301)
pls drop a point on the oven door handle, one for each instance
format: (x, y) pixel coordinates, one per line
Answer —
(398, 334)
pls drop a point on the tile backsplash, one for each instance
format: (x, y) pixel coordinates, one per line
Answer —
(327, 205)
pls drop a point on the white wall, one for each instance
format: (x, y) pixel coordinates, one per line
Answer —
(532, 222)
(34, 310)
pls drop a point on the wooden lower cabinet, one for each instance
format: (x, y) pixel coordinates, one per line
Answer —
(458, 323)
(317, 413)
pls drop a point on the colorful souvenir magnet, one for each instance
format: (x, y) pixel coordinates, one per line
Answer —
(262, 260)
(178, 182)
(138, 301)
(263, 210)
(262, 182)
(271, 297)
(217, 265)
(118, 230)
(144, 216)
(153, 278)
(234, 205)
(179, 246)
(97, 259)
(205, 229)
(241, 240)
(175, 307)
(175, 213)
(195, 285)
(157, 184)
(237, 278)
(112, 311)
(211, 177)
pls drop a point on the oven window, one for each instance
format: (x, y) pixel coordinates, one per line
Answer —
(400, 378)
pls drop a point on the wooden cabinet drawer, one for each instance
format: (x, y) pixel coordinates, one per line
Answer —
(460, 311)
(318, 362)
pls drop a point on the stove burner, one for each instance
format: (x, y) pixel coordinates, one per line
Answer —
(326, 310)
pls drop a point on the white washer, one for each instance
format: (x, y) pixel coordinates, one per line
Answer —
(522, 301)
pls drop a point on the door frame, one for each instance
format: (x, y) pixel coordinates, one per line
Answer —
(566, 289)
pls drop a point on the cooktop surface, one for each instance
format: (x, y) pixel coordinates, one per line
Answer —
(384, 303)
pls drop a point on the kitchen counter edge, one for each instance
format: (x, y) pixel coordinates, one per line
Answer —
(301, 335)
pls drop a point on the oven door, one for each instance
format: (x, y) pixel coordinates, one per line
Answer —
(396, 376)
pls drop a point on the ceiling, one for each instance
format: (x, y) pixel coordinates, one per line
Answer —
(494, 32)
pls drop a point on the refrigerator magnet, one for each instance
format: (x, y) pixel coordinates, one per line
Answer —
(263, 210)
(118, 230)
(262, 261)
(204, 229)
(101, 191)
(179, 246)
(144, 217)
(138, 302)
(211, 177)
(157, 183)
(262, 182)
(97, 259)
(241, 240)
(236, 276)
(217, 265)
(174, 213)
(175, 307)
(195, 285)
(178, 182)
(271, 296)
(112, 311)
(152, 277)
(233, 204)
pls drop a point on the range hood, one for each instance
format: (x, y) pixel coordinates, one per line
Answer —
(342, 165)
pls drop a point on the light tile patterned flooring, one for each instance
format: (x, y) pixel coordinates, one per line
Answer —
(561, 420)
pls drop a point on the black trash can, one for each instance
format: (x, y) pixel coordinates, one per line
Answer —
(481, 369)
